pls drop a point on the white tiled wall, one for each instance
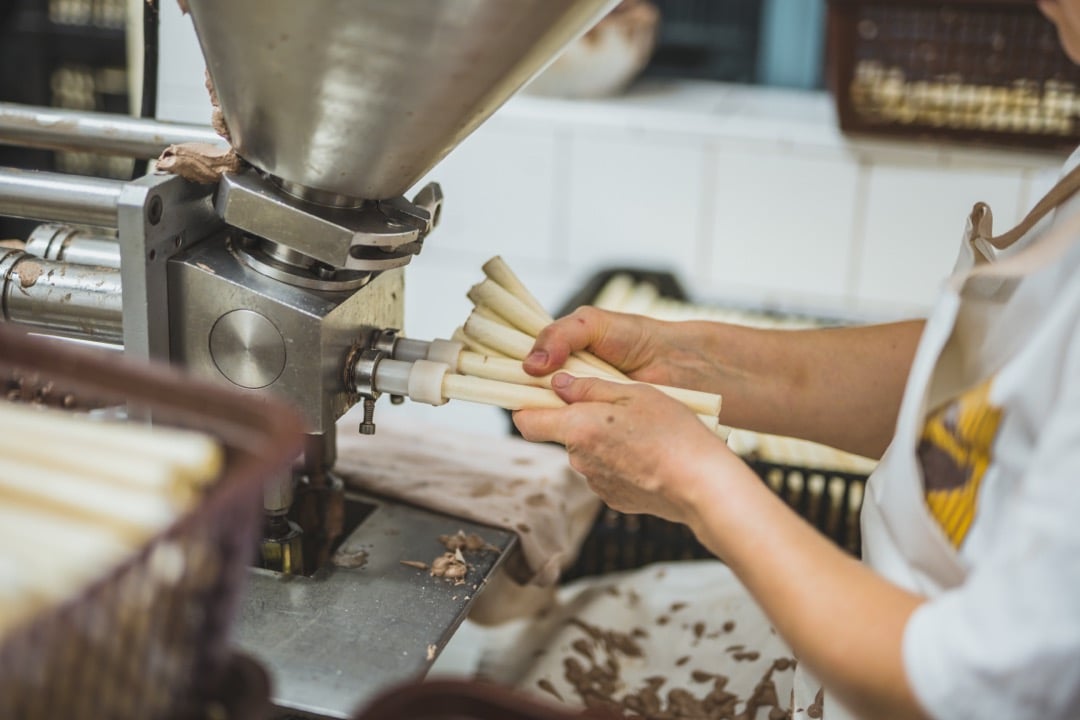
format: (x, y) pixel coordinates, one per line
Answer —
(753, 197)
(748, 194)
(914, 221)
(775, 215)
(633, 197)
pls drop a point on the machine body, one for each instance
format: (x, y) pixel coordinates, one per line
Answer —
(287, 278)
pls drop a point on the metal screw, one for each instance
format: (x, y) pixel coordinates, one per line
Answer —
(367, 427)
(155, 210)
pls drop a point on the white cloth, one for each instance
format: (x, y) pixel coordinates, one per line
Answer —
(691, 624)
(1000, 634)
(502, 481)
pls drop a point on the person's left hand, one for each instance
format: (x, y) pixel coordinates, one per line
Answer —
(640, 451)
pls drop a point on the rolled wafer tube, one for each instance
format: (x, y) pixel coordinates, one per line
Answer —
(508, 396)
(133, 514)
(614, 294)
(475, 346)
(97, 464)
(513, 343)
(193, 454)
(497, 269)
(492, 298)
(509, 370)
(511, 396)
(512, 309)
(506, 340)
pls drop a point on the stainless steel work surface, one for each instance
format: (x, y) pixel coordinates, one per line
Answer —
(333, 641)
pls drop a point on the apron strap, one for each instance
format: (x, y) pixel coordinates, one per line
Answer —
(982, 219)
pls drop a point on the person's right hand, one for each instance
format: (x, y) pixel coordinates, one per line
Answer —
(647, 350)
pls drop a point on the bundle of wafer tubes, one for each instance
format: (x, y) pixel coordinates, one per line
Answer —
(500, 333)
(79, 497)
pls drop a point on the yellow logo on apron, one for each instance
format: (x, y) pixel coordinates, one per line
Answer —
(954, 452)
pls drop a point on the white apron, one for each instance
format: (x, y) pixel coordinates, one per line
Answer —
(901, 539)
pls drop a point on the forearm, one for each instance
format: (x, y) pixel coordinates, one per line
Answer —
(841, 619)
(839, 386)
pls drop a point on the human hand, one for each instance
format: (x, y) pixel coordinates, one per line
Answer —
(640, 451)
(639, 346)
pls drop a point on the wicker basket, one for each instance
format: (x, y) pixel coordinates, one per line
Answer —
(986, 70)
(148, 641)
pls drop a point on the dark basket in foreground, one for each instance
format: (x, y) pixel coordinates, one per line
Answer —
(986, 70)
(149, 641)
(829, 500)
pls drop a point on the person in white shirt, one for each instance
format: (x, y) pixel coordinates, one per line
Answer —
(967, 602)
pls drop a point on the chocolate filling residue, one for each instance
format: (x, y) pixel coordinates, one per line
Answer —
(598, 683)
(699, 630)
(451, 566)
(582, 647)
(815, 709)
(612, 641)
(32, 388)
(676, 607)
(28, 272)
(469, 543)
(199, 162)
(350, 558)
(547, 687)
(217, 118)
(483, 489)
(537, 500)
(682, 661)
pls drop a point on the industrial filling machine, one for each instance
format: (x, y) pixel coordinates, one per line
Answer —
(287, 278)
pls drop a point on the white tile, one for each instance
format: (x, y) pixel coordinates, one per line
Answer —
(498, 187)
(783, 226)
(635, 199)
(182, 92)
(914, 219)
(435, 287)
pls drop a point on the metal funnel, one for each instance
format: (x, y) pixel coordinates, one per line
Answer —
(362, 97)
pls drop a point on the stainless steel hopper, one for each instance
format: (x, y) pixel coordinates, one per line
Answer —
(361, 97)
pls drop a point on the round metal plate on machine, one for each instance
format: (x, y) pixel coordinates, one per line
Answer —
(247, 348)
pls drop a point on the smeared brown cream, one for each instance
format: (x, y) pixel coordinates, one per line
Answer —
(199, 162)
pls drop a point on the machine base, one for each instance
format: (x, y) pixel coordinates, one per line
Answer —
(334, 640)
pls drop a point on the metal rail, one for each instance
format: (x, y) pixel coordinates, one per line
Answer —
(73, 244)
(55, 196)
(78, 301)
(104, 133)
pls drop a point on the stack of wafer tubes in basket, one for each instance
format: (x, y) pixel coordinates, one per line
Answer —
(500, 333)
(80, 496)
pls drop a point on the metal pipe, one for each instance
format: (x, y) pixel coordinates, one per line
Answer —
(55, 196)
(81, 246)
(77, 301)
(105, 133)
